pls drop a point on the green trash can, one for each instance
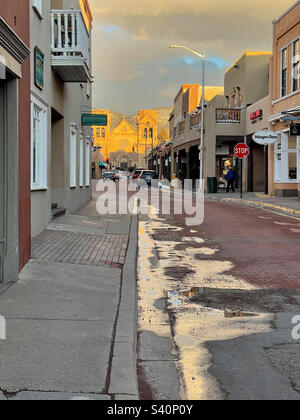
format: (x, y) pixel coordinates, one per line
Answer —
(212, 185)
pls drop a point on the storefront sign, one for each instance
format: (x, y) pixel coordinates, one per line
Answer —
(39, 59)
(254, 116)
(295, 130)
(265, 137)
(94, 120)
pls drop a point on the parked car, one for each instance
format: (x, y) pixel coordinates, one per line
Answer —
(137, 172)
(108, 176)
(148, 176)
(116, 176)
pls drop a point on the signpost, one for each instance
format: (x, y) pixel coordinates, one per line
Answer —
(241, 151)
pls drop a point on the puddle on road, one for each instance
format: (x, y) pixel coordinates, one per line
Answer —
(193, 324)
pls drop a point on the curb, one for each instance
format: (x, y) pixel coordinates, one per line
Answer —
(124, 379)
(266, 206)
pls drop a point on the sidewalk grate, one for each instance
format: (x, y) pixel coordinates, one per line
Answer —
(81, 248)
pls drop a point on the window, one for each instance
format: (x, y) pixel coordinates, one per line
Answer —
(87, 164)
(103, 133)
(37, 5)
(81, 161)
(296, 65)
(284, 72)
(38, 147)
(146, 133)
(151, 133)
(287, 159)
(292, 165)
(73, 156)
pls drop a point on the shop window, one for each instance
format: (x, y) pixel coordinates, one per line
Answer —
(292, 142)
(284, 72)
(38, 147)
(292, 166)
(87, 164)
(73, 156)
(296, 65)
(278, 159)
(81, 161)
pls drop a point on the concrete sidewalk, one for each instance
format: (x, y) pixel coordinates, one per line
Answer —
(71, 317)
(288, 206)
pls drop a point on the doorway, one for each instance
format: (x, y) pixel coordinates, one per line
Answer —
(9, 202)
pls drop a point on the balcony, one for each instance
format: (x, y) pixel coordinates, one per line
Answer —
(195, 121)
(228, 116)
(70, 54)
(181, 127)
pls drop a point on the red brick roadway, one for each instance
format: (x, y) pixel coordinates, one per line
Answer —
(264, 246)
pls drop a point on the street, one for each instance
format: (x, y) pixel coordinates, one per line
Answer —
(128, 307)
(216, 304)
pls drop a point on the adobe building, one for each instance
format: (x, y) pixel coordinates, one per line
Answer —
(126, 141)
(284, 176)
(184, 123)
(245, 83)
(61, 92)
(15, 238)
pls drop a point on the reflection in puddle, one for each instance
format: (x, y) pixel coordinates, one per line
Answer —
(194, 324)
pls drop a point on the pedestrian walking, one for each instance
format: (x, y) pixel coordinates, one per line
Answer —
(230, 178)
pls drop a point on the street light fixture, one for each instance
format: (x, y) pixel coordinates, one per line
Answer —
(203, 56)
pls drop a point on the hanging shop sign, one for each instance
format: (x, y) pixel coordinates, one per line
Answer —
(94, 120)
(39, 59)
(295, 130)
(265, 137)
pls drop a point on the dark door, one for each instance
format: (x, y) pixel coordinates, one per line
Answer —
(2, 180)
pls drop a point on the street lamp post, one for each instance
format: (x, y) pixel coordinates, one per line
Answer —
(203, 56)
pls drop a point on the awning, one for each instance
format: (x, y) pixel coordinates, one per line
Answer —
(102, 165)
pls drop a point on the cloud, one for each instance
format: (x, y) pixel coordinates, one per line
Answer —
(132, 64)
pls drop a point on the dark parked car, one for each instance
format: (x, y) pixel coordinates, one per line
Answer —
(108, 176)
(148, 176)
(137, 172)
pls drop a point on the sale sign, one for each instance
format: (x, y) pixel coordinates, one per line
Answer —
(241, 151)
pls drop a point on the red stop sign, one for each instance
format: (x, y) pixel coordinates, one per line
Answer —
(241, 151)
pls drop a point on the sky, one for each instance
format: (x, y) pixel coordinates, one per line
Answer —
(133, 65)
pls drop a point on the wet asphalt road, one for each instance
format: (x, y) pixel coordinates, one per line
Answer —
(216, 304)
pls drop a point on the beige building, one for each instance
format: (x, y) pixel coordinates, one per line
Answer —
(184, 123)
(245, 82)
(60, 93)
(284, 176)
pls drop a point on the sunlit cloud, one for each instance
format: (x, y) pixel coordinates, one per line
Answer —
(132, 64)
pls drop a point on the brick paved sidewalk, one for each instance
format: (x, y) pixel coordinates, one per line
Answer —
(288, 205)
(71, 317)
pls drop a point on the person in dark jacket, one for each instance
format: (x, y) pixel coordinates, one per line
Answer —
(230, 178)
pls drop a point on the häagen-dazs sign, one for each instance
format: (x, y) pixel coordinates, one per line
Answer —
(265, 137)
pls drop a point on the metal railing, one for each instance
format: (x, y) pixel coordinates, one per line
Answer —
(69, 36)
(228, 116)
